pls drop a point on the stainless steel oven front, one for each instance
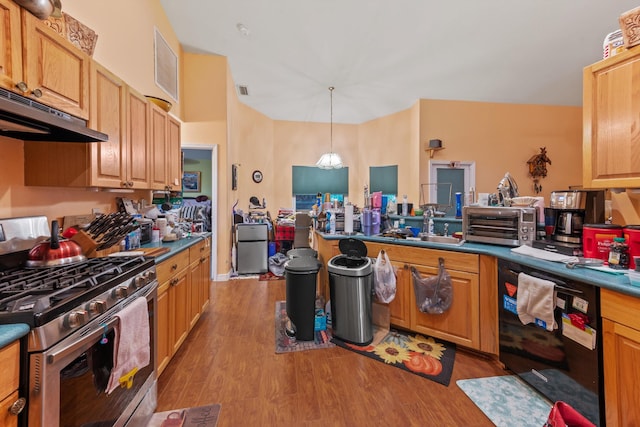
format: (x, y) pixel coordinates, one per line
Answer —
(67, 382)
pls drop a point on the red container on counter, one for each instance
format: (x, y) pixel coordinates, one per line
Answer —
(597, 239)
(631, 233)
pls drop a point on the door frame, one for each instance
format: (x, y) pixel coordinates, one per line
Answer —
(213, 273)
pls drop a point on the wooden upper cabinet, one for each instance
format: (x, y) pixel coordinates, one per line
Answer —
(10, 45)
(138, 173)
(55, 71)
(159, 152)
(611, 122)
(108, 115)
(174, 173)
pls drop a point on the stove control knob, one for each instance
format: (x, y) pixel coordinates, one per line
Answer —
(76, 318)
(121, 292)
(97, 307)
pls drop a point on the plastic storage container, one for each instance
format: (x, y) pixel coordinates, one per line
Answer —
(351, 287)
(632, 234)
(301, 275)
(598, 238)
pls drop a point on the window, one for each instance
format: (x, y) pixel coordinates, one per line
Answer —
(308, 181)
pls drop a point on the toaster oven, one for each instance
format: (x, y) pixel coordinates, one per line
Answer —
(498, 225)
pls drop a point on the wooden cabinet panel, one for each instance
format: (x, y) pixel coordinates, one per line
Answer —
(611, 123)
(6, 418)
(138, 172)
(400, 307)
(108, 115)
(164, 329)
(56, 67)
(179, 305)
(10, 45)
(158, 147)
(459, 323)
(621, 353)
(174, 155)
(621, 375)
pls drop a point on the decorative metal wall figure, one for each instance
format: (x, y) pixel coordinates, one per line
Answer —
(538, 168)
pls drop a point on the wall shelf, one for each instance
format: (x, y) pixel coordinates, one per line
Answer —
(432, 150)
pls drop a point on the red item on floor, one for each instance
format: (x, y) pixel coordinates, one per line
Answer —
(563, 415)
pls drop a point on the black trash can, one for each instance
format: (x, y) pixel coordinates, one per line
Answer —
(300, 252)
(351, 288)
(301, 275)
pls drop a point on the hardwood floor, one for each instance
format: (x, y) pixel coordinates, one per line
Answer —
(229, 358)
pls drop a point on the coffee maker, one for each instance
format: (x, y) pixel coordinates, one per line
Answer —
(569, 211)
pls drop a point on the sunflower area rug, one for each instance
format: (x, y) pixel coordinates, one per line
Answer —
(420, 355)
(200, 416)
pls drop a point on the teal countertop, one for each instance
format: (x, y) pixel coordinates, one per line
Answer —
(10, 333)
(614, 280)
(177, 246)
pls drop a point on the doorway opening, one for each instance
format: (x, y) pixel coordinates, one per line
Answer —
(202, 161)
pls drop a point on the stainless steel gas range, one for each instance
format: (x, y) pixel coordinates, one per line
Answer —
(72, 310)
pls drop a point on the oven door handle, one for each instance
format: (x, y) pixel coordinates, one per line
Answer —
(557, 284)
(72, 348)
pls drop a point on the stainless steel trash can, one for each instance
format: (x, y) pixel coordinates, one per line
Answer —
(351, 287)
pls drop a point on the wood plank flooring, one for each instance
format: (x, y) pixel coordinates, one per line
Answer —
(229, 358)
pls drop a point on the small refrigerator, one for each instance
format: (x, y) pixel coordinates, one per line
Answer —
(252, 248)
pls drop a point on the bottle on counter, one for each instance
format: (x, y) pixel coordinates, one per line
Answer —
(332, 224)
(431, 227)
(619, 254)
(458, 205)
(405, 206)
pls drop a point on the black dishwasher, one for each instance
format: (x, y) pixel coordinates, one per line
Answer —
(562, 364)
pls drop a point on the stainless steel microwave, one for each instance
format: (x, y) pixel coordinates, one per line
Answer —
(498, 225)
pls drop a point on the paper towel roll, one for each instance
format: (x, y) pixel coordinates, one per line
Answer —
(348, 218)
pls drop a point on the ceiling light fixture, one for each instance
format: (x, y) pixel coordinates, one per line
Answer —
(330, 160)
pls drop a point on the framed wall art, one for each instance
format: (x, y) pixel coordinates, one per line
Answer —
(191, 182)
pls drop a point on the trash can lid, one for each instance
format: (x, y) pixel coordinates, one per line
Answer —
(302, 264)
(300, 252)
(353, 248)
(350, 266)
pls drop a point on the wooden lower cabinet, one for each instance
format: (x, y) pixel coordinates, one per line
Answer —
(621, 352)
(173, 321)
(9, 382)
(183, 294)
(460, 324)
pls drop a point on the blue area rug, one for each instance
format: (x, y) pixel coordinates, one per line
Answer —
(507, 401)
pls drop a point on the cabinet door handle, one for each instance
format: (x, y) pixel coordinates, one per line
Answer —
(174, 267)
(22, 86)
(174, 281)
(17, 406)
(37, 93)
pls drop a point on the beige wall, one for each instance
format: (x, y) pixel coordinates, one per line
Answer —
(502, 137)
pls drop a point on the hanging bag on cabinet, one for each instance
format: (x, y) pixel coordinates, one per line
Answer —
(434, 294)
(384, 278)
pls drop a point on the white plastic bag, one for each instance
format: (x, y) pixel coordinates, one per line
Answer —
(384, 278)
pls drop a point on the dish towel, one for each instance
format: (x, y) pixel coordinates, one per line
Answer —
(536, 299)
(131, 349)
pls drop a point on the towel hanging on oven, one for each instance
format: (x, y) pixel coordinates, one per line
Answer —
(434, 295)
(536, 301)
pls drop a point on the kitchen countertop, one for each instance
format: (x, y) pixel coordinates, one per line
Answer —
(10, 333)
(177, 246)
(615, 281)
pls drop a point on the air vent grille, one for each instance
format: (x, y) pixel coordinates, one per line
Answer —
(243, 90)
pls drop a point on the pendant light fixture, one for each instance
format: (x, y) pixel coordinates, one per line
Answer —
(330, 160)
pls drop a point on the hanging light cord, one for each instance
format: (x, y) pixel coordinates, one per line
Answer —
(331, 115)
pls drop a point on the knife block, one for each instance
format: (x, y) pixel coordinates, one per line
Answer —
(89, 246)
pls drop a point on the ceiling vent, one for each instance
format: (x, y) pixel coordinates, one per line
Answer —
(243, 90)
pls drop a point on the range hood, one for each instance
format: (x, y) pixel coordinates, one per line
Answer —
(23, 118)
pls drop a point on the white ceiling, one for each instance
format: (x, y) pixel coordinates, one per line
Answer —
(382, 56)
